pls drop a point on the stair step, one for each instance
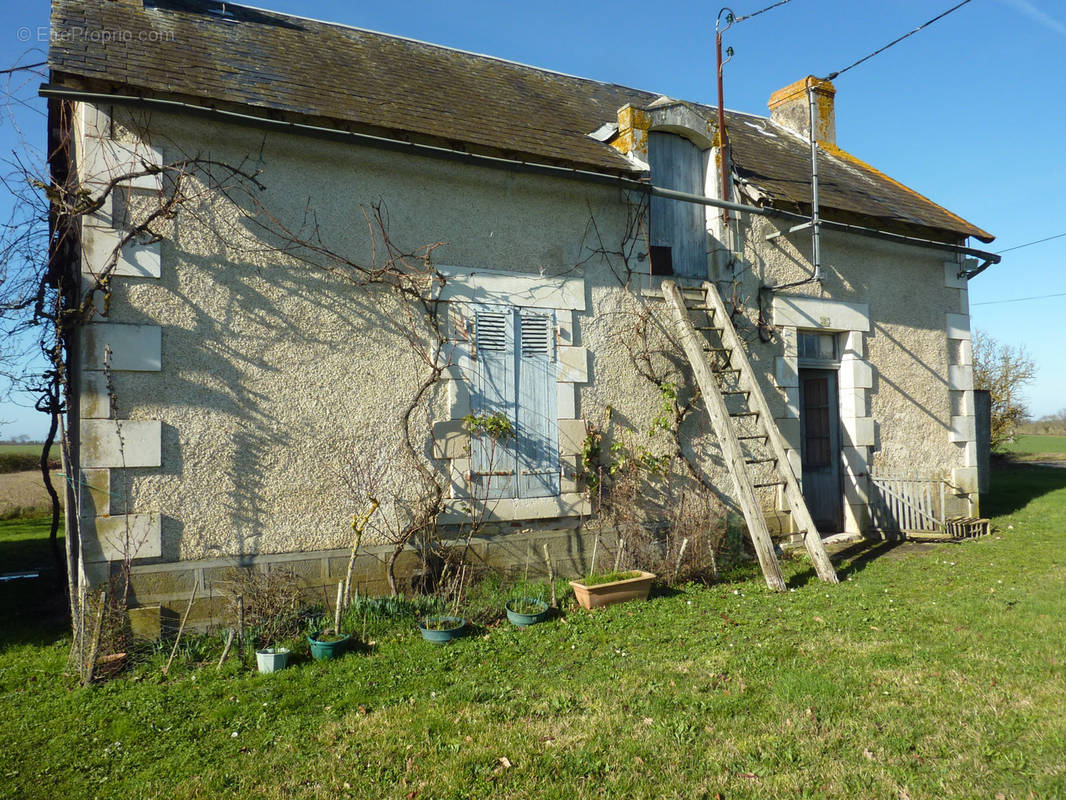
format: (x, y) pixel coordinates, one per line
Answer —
(767, 485)
(727, 369)
(760, 461)
(736, 391)
(757, 436)
(745, 414)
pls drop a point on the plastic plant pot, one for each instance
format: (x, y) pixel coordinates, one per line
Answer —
(328, 649)
(272, 659)
(525, 616)
(442, 629)
(606, 594)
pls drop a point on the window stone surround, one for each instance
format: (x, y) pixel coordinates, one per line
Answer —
(451, 441)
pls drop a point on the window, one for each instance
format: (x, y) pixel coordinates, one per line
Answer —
(678, 229)
(814, 346)
(515, 375)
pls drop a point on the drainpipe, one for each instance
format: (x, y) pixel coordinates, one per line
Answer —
(816, 239)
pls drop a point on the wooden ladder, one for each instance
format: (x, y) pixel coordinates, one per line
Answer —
(749, 425)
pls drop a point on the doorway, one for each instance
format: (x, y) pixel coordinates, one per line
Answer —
(820, 451)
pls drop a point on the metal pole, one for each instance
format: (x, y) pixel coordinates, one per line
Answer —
(816, 243)
(723, 137)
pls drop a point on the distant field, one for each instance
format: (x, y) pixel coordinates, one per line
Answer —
(1037, 445)
(22, 494)
(23, 457)
(26, 450)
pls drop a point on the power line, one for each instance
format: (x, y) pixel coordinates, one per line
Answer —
(833, 75)
(20, 69)
(1028, 244)
(1019, 299)
(761, 11)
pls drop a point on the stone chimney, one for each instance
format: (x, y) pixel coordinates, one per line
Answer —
(790, 108)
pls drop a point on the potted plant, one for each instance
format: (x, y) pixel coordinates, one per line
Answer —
(442, 629)
(328, 644)
(272, 659)
(616, 586)
(524, 611)
(269, 655)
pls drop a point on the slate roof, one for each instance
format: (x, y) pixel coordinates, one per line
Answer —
(280, 66)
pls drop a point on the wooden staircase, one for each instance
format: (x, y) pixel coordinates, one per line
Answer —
(752, 445)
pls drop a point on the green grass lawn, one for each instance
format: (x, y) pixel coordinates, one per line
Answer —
(1035, 447)
(931, 671)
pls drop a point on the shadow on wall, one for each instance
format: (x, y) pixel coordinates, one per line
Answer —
(1014, 486)
(248, 365)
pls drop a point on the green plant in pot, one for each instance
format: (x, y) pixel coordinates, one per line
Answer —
(270, 655)
(523, 611)
(441, 629)
(327, 644)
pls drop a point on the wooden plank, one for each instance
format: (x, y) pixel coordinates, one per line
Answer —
(812, 539)
(692, 343)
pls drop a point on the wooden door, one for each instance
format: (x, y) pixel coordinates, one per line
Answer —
(678, 230)
(820, 421)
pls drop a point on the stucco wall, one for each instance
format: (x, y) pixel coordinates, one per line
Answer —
(272, 373)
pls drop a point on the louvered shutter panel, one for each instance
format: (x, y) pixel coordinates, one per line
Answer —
(493, 463)
(676, 163)
(538, 418)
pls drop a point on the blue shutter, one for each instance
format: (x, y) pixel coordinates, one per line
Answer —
(676, 163)
(538, 416)
(493, 463)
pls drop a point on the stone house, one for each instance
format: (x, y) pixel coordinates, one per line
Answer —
(236, 369)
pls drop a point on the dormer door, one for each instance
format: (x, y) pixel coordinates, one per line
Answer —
(678, 229)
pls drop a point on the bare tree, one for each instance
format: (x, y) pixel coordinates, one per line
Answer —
(1002, 370)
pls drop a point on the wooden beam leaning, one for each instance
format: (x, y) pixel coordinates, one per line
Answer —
(812, 539)
(693, 344)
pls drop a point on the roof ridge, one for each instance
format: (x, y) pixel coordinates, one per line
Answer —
(437, 46)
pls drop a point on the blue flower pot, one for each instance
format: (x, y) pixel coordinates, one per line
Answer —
(522, 620)
(442, 629)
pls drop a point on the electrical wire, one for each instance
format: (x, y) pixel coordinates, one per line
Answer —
(1029, 244)
(27, 66)
(839, 72)
(1019, 299)
(762, 11)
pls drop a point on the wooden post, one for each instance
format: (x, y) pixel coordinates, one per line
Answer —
(681, 555)
(240, 627)
(225, 650)
(181, 627)
(90, 666)
(727, 436)
(551, 576)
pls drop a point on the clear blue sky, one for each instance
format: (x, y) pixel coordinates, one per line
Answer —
(968, 111)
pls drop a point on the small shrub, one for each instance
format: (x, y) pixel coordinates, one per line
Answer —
(272, 606)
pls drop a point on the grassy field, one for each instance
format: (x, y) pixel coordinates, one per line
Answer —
(27, 450)
(1036, 447)
(932, 671)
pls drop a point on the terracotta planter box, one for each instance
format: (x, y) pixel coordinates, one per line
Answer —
(605, 594)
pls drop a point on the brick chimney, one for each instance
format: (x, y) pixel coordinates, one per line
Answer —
(789, 107)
